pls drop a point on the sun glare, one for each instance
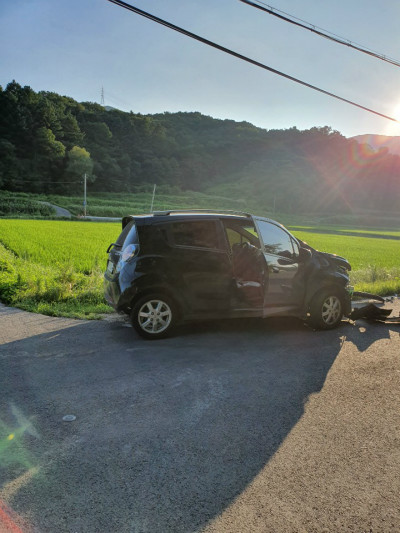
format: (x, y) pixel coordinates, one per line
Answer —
(396, 112)
(393, 128)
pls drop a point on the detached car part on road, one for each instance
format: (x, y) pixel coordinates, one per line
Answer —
(172, 266)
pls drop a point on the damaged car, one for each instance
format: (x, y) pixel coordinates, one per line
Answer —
(173, 266)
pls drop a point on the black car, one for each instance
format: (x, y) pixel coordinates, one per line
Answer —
(173, 266)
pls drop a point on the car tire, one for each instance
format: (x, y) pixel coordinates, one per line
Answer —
(326, 310)
(154, 316)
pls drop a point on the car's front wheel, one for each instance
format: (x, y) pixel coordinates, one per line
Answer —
(154, 316)
(326, 310)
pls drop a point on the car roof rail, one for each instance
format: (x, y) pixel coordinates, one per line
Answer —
(205, 211)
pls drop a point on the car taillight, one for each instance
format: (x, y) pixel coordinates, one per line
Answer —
(130, 252)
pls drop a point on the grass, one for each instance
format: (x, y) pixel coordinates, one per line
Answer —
(56, 267)
(375, 261)
(360, 251)
(80, 246)
(357, 232)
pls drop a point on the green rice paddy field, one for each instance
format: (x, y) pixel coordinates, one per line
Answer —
(56, 267)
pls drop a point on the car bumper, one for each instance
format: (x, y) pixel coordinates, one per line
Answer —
(112, 291)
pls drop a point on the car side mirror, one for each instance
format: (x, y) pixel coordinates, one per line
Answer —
(304, 255)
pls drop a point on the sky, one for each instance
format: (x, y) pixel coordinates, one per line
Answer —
(76, 47)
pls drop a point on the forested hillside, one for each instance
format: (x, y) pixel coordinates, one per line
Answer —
(48, 141)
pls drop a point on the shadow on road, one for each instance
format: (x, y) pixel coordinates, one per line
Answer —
(168, 433)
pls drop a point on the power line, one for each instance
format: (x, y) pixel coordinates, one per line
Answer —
(319, 31)
(242, 57)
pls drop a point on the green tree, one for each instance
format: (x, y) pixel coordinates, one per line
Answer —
(79, 163)
(9, 165)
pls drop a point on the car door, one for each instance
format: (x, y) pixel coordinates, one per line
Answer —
(281, 260)
(201, 264)
(249, 271)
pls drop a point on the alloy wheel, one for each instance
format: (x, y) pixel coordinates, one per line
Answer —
(154, 316)
(331, 310)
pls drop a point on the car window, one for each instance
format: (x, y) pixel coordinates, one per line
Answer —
(201, 234)
(239, 234)
(131, 237)
(124, 233)
(234, 237)
(276, 240)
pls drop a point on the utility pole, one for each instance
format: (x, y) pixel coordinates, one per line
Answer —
(84, 195)
(102, 96)
(152, 200)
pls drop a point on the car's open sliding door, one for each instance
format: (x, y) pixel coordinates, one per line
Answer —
(248, 266)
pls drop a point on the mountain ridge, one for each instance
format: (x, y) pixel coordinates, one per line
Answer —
(377, 141)
(48, 142)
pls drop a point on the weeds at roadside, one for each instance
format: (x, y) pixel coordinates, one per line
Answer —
(377, 280)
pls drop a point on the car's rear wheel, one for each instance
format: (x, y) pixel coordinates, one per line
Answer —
(326, 310)
(154, 316)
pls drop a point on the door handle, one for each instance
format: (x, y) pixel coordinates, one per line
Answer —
(275, 270)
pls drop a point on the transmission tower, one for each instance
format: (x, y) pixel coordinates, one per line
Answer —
(102, 96)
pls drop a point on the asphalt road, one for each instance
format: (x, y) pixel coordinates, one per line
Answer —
(237, 426)
(64, 213)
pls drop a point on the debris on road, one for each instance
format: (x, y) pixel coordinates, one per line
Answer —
(370, 308)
